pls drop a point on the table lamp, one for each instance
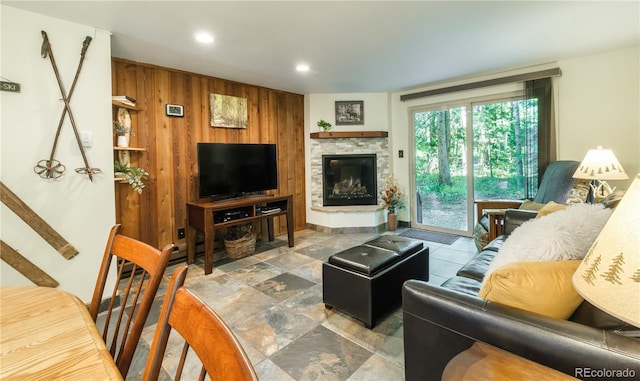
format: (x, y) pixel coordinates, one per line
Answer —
(609, 275)
(599, 165)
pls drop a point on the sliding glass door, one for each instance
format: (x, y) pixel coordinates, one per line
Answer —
(485, 149)
(440, 168)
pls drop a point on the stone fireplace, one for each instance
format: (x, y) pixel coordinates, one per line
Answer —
(349, 180)
(345, 217)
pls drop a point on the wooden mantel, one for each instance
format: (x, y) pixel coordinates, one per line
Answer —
(349, 134)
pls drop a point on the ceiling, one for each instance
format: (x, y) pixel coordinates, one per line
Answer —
(352, 46)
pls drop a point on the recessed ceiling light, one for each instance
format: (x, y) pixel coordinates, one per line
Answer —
(204, 38)
(302, 67)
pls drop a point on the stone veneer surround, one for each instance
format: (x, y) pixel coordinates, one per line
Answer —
(346, 146)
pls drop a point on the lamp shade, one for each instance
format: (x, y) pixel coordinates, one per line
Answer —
(609, 275)
(600, 164)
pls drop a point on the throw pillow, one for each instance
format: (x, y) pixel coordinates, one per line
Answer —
(541, 287)
(550, 207)
(530, 205)
(566, 234)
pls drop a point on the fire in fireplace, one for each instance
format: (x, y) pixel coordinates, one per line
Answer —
(349, 180)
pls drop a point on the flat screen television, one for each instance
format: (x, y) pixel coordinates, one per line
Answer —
(230, 169)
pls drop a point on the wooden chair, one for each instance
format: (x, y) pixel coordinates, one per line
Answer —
(219, 351)
(140, 268)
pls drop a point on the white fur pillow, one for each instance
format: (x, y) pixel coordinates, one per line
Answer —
(566, 234)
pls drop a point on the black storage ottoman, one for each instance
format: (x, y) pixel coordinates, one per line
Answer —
(366, 281)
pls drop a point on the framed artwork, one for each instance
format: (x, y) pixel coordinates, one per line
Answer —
(175, 110)
(228, 111)
(349, 112)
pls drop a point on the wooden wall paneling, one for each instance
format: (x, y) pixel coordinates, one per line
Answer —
(146, 212)
(200, 128)
(274, 117)
(284, 157)
(299, 188)
(271, 122)
(253, 112)
(204, 133)
(262, 104)
(289, 128)
(164, 161)
(179, 86)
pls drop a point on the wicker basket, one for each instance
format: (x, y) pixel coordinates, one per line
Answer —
(241, 247)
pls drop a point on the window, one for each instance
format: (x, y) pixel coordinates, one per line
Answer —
(505, 149)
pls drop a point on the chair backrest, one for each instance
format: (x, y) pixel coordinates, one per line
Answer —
(556, 182)
(140, 268)
(203, 331)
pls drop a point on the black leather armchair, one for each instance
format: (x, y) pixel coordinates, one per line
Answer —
(556, 185)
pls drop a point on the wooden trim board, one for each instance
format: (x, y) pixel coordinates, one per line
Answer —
(25, 267)
(36, 223)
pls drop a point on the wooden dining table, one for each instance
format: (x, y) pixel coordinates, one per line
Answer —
(48, 334)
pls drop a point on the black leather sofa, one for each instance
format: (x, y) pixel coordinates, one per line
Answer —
(440, 322)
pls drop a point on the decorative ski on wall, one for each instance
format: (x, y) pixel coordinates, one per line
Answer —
(25, 267)
(36, 223)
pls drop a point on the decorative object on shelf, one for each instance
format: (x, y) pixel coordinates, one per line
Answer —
(609, 275)
(240, 241)
(599, 165)
(122, 141)
(122, 127)
(228, 111)
(324, 125)
(133, 175)
(392, 200)
(51, 168)
(349, 113)
(175, 110)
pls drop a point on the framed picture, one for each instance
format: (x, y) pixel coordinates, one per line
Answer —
(175, 110)
(349, 112)
(228, 111)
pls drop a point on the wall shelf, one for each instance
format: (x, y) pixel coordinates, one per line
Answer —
(349, 134)
(129, 149)
(124, 105)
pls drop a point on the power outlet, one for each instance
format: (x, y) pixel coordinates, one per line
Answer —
(181, 233)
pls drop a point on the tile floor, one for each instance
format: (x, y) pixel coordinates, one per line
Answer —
(272, 301)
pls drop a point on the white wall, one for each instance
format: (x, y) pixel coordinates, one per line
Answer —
(80, 210)
(599, 99)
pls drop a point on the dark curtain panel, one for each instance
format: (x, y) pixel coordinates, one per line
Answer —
(538, 91)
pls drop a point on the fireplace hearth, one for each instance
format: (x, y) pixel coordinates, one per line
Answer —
(349, 180)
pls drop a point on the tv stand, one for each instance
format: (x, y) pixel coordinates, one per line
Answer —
(241, 197)
(209, 216)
